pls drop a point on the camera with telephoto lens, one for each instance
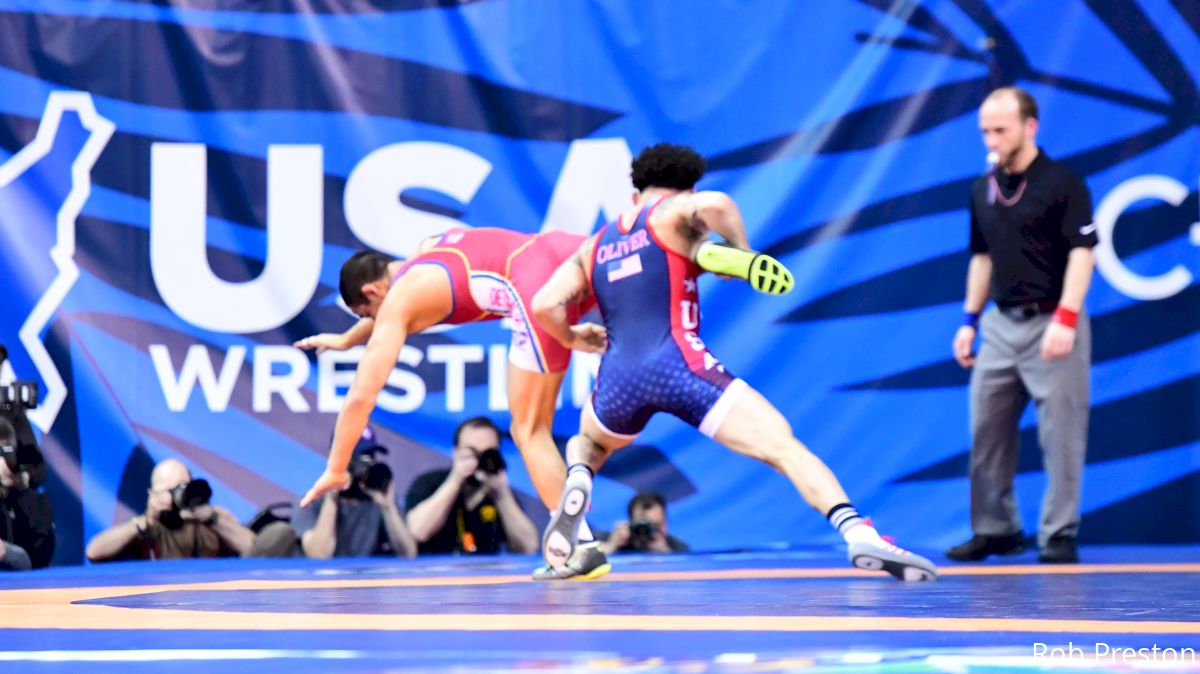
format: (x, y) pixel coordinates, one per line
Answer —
(19, 395)
(491, 461)
(191, 494)
(368, 471)
(640, 532)
(186, 496)
(22, 453)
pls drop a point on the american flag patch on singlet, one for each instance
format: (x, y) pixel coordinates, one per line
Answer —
(628, 266)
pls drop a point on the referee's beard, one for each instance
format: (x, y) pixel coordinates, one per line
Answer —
(1008, 158)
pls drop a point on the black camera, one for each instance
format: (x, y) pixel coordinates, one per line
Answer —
(19, 447)
(22, 395)
(640, 532)
(191, 494)
(368, 471)
(491, 461)
(185, 497)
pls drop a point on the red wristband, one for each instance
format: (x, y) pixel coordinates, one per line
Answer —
(1065, 316)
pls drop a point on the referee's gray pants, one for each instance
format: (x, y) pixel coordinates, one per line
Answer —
(1009, 372)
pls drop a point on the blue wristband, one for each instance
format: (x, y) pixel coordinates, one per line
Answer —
(971, 319)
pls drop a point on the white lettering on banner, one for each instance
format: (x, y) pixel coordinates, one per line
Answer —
(412, 384)
(594, 180)
(197, 367)
(331, 379)
(406, 390)
(178, 240)
(372, 205)
(456, 357)
(1110, 265)
(498, 378)
(286, 385)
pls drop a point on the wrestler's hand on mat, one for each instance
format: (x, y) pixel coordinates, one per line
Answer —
(328, 482)
(1058, 341)
(964, 346)
(589, 337)
(322, 342)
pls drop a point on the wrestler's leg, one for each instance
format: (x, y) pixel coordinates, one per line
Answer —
(752, 426)
(531, 401)
(586, 453)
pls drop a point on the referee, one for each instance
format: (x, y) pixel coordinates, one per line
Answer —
(1031, 240)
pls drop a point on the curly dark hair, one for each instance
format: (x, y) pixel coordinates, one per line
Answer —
(676, 167)
(362, 268)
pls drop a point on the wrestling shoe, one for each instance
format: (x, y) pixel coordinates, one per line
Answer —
(562, 534)
(764, 273)
(588, 563)
(895, 560)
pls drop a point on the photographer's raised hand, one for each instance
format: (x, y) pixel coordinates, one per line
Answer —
(384, 498)
(619, 537)
(464, 464)
(238, 537)
(204, 514)
(520, 531)
(158, 501)
(658, 541)
(496, 483)
(402, 540)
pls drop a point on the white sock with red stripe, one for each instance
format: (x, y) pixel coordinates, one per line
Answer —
(853, 527)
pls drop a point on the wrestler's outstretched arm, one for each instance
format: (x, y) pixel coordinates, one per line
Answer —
(360, 332)
(415, 302)
(357, 334)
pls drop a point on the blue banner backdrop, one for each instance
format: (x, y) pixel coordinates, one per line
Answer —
(179, 186)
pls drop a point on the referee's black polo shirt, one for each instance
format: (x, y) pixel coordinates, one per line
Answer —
(1029, 241)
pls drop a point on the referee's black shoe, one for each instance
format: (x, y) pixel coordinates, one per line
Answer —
(1060, 550)
(980, 548)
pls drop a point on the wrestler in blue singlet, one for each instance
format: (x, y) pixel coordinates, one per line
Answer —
(656, 361)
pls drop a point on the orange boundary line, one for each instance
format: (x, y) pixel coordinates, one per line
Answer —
(55, 608)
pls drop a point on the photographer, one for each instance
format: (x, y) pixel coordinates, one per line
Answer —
(179, 523)
(470, 508)
(26, 521)
(646, 530)
(361, 520)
